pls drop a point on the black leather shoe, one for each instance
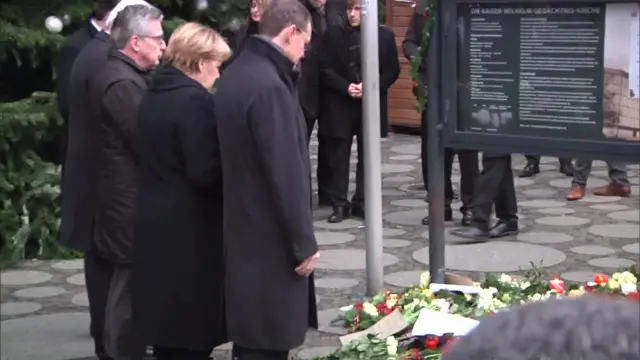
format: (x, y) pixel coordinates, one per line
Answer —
(529, 170)
(339, 213)
(472, 233)
(466, 218)
(504, 228)
(448, 216)
(357, 212)
(566, 167)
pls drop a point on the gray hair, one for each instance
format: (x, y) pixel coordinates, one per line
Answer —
(133, 20)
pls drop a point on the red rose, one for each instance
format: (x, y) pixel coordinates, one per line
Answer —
(358, 307)
(557, 284)
(634, 295)
(431, 343)
(600, 279)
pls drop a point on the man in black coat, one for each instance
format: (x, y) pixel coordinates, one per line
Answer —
(340, 112)
(68, 54)
(468, 159)
(270, 245)
(114, 97)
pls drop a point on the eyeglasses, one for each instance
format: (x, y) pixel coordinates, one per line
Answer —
(159, 39)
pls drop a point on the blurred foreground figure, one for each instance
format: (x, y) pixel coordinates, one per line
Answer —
(588, 328)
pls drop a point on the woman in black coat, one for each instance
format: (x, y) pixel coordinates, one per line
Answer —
(178, 249)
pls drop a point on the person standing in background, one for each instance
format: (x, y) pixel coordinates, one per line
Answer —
(619, 184)
(270, 245)
(533, 166)
(468, 159)
(324, 14)
(115, 95)
(340, 114)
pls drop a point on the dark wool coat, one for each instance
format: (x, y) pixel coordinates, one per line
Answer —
(116, 93)
(178, 260)
(340, 115)
(80, 166)
(268, 224)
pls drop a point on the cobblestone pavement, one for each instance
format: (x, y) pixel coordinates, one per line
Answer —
(44, 304)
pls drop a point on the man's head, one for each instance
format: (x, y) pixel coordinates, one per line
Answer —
(588, 328)
(137, 32)
(121, 5)
(288, 24)
(353, 12)
(102, 9)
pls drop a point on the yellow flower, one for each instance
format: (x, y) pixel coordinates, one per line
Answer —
(425, 280)
(370, 309)
(575, 293)
(392, 300)
(613, 284)
(504, 278)
(625, 278)
(392, 345)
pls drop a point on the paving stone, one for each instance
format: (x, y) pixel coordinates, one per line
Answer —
(393, 232)
(627, 215)
(316, 352)
(599, 163)
(557, 211)
(565, 183)
(408, 217)
(592, 250)
(408, 149)
(333, 238)
(47, 337)
(632, 248)
(609, 207)
(404, 157)
(77, 279)
(562, 221)
(417, 203)
(18, 308)
(349, 259)
(633, 166)
(517, 182)
(325, 319)
(396, 168)
(39, 292)
(391, 192)
(397, 179)
(395, 243)
(544, 237)
(335, 283)
(599, 199)
(611, 262)
(403, 279)
(23, 277)
(540, 192)
(541, 203)
(77, 264)
(495, 256)
(621, 230)
(81, 299)
(449, 237)
(580, 277)
(344, 225)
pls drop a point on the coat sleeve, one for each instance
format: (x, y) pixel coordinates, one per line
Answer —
(329, 76)
(412, 38)
(121, 101)
(390, 67)
(199, 141)
(272, 119)
(68, 55)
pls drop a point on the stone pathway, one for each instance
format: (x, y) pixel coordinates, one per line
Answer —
(44, 304)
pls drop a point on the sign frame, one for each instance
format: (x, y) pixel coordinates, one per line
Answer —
(508, 143)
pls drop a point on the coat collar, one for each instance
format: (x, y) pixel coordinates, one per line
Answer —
(284, 67)
(117, 54)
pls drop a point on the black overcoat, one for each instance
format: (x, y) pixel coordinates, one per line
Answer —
(268, 224)
(116, 92)
(80, 166)
(340, 115)
(178, 263)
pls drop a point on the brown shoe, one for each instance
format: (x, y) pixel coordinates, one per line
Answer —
(613, 189)
(576, 192)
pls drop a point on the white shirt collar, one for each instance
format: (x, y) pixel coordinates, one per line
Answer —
(95, 25)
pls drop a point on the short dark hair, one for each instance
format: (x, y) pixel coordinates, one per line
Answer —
(282, 13)
(102, 7)
(588, 328)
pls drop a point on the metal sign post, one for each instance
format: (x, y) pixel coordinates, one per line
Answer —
(371, 133)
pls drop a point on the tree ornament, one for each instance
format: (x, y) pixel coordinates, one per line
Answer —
(53, 24)
(202, 5)
(66, 19)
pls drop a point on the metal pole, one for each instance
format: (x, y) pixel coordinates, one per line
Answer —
(435, 157)
(371, 133)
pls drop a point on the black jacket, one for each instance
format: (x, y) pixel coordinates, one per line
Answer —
(268, 224)
(178, 217)
(79, 176)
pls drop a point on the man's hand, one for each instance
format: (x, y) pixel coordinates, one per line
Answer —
(355, 90)
(307, 266)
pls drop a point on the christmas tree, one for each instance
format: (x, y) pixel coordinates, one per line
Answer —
(30, 126)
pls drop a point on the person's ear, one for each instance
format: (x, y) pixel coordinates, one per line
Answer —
(201, 65)
(290, 31)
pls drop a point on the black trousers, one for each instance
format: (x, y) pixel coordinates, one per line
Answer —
(469, 171)
(495, 186)
(338, 154)
(323, 170)
(242, 353)
(535, 159)
(164, 353)
(98, 273)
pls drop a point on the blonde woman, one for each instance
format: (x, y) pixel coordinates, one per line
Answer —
(178, 263)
